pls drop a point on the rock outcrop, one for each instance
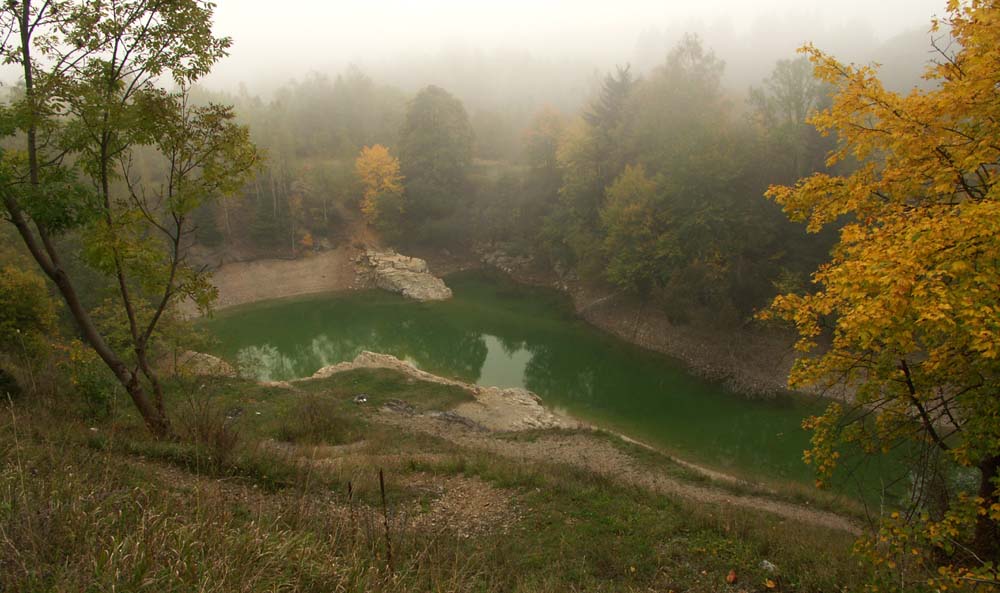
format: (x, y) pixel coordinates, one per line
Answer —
(494, 408)
(497, 257)
(407, 276)
(199, 364)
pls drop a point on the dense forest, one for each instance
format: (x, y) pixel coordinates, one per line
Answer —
(653, 186)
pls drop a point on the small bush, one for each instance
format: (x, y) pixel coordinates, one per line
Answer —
(8, 386)
(91, 380)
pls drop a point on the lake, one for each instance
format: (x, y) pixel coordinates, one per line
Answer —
(495, 332)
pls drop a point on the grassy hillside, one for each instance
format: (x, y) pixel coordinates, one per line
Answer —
(277, 489)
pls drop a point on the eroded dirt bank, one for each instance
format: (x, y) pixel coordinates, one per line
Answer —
(242, 283)
(754, 362)
(342, 269)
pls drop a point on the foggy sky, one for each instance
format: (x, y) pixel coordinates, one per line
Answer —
(276, 41)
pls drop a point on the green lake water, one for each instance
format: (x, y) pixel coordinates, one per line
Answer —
(494, 332)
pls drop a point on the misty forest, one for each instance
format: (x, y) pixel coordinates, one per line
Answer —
(548, 296)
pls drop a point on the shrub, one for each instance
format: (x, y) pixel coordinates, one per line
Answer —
(8, 386)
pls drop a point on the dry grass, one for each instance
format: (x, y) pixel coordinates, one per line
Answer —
(222, 510)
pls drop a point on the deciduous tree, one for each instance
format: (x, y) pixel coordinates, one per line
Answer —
(91, 96)
(382, 183)
(782, 106)
(590, 157)
(435, 153)
(909, 301)
(27, 313)
(638, 242)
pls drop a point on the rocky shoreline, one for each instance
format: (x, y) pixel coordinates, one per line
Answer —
(493, 409)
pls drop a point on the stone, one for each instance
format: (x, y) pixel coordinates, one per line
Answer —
(495, 256)
(456, 418)
(408, 276)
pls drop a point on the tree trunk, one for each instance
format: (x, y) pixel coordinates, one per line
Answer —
(274, 194)
(154, 418)
(152, 415)
(47, 256)
(986, 542)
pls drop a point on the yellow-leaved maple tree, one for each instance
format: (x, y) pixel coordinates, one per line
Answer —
(907, 312)
(382, 183)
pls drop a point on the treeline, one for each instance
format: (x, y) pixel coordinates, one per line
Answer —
(310, 132)
(660, 182)
(655, 186)
(307, 191)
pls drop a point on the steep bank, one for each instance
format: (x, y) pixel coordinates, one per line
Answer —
(241, 283)
(754, 362)
(336, 270)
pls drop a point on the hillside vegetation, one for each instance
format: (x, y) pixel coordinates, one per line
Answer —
(277, 488)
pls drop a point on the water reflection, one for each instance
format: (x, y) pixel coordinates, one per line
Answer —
(269, 350)
(264, 362)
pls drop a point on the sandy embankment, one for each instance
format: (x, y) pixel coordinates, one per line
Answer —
(241, 283)
(341, 269)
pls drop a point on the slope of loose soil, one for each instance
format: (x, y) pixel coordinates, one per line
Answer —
(241, 283)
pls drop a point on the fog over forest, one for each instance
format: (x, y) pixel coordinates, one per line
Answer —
(500, 295)
(554, 48)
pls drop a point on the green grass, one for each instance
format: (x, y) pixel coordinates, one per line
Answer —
(223, 510)
(266, 411)
(382, 385)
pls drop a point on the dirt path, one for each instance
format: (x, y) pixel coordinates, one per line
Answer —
(603, 458)
(480, 424)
